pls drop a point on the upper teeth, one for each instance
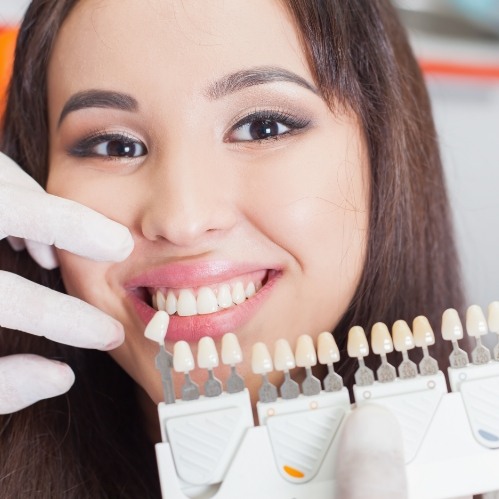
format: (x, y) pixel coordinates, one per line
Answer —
(205, 300)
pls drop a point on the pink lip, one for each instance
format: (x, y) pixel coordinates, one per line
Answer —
(180, 275)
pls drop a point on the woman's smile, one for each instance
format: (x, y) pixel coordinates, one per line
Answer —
(202, 299)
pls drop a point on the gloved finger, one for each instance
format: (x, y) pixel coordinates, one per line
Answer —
(26, 379)
(370, 456)
(41, 311)
(48, 219)
(43, 255)
(16, 243)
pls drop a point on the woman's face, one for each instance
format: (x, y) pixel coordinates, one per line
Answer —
(198, 126)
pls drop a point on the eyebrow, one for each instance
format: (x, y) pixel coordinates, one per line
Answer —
(239, 80)
(98, 98)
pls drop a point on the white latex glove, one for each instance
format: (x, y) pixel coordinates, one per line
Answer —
(370, 456)
(39, 221)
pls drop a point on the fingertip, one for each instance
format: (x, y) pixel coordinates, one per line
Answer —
(114, 337)
(42, 254)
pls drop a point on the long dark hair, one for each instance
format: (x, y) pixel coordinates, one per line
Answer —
(90, 443)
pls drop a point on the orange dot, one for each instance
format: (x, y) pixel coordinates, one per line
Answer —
(293, 472)
(8, 36)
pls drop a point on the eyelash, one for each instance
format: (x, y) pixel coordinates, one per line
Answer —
(293, 123)
(84, 148)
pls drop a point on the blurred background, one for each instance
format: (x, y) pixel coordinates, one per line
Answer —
(457, 44)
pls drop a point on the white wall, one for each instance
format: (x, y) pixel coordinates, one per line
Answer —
(11, 11)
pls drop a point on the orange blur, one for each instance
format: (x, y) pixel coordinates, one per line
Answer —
(8, 37)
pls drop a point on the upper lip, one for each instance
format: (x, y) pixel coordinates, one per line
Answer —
(191, 275)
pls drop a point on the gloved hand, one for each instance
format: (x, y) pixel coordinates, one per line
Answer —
(370, 456)
(38, 221)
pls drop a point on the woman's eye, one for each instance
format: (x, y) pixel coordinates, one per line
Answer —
(259, 130)
(263, 126)
(120, 149)
(113, 146)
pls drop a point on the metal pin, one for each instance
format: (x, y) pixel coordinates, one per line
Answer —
(328, 354)
(183, 362)
(476, 326)
(232, 355)
(208, 359)
(306, 357)
(452, 330)
(403, 341)
(261, 363)
(423, 338)
(284, 360)
(381, 343)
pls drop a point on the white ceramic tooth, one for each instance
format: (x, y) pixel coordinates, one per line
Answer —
(261, 361)
(402, 336)
(183, 361)
(381, 341)
(422, 332)
(186, 303)
(357, 345)
(160, 300)
(452, 328)
(327, 349)
(207, 353)
(250, 290)
(476, 324)
(305, 354)
(224, 297)
(231, 351)
(493, 316)
(156, 329)
(284, 360)
(238, 295)
(206, 301)
(171, 303)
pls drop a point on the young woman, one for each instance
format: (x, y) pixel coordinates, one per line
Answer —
(277, 167)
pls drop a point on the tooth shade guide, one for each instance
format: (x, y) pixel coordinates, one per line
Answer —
(452, 330)
(232, 355)
(476, 326)
(381, 344)
(157, 327)
(328, 353)
(284, 360)
(261, 363)
(358, 347)
(403, 341)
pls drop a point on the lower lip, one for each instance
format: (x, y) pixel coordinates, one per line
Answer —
(193, 328)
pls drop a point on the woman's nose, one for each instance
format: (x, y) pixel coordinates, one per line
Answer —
(190, 200)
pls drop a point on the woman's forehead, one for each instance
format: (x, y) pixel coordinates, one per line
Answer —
(187, 43)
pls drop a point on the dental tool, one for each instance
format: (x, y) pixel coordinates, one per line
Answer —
(261, 363)
(208, 359)
(231, 356)
(284, 360)
(328, 354)
(156, 331)
(183, 362)
(306, 357)
(211, 447)
(404, 341)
